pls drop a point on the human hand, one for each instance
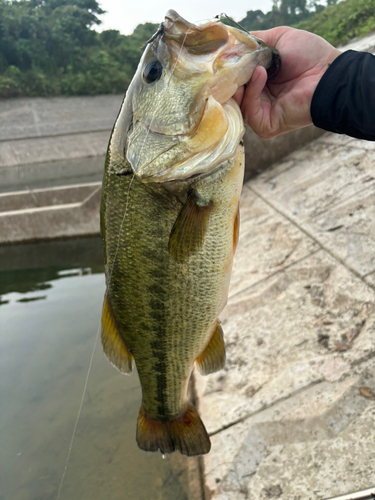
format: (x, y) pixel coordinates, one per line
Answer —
(283, 104)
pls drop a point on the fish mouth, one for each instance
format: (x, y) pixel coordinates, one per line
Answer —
(274, 69)
(196, 40)
(231, 54)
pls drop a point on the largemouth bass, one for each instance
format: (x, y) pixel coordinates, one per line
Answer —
(170, 220)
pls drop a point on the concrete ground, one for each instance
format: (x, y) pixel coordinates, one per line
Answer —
(292, 415)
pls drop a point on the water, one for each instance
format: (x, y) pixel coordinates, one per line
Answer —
(51, 297)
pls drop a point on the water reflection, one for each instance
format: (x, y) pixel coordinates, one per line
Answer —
(26, 268)
(46, 341)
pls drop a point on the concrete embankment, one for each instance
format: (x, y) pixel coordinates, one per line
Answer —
(52, 155)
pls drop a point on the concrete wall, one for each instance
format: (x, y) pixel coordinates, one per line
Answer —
(63, 138)
(54, 141)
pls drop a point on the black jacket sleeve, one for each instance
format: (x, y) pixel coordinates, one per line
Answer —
(344, 100)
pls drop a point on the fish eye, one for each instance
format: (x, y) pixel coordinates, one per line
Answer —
(152, 71)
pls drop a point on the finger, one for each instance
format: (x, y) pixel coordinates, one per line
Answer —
(238, 96)
(252, 102)
(272, 36)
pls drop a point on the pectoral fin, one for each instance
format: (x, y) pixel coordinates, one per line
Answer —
(212, 358)
(189, 229)
(112, 343)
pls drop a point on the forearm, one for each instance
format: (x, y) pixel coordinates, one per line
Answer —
(344, 100)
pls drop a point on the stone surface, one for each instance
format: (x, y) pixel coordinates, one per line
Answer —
(366, 44)
(39, 117)
(330, 198)
(51, 174)
(268, 243)
(48, 149)
(370, 279)
(292, 414)
(262, 153)
(307, 323)
(314, 445)
(320, 468)
(41, 198)
(71, 211)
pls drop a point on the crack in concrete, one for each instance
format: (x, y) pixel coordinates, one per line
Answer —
(307, 233)
(270, 405)
(267, 406)
(271, 275)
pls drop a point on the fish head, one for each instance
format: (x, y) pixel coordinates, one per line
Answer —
(179, 116)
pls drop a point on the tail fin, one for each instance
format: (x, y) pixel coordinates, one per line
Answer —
(186, 434)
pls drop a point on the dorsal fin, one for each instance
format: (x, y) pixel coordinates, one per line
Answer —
(113, 345)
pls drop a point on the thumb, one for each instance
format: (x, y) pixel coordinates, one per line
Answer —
(252, 103)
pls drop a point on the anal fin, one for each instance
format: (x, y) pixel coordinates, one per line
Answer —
(212, 359)
(113, 345)
(189, 228)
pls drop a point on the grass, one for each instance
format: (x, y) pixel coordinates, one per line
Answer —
(342, 22)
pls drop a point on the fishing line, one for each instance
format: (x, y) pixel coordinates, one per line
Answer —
(109, 281)
(79, 414)
(119, 233)
(33, 195)
(223, 15)
(207, 20)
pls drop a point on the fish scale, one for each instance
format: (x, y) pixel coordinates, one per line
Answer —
(169, 220)
(169, 305)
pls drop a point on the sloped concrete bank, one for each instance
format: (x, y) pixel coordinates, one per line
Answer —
(292, 415)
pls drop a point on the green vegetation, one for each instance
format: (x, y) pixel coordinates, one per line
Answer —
(283, 13)
(340, 23)
(49, 47)
(337, 22)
